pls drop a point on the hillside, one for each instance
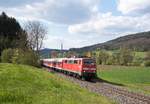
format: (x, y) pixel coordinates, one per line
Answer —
(46, 52)
(20, 84)
(138, 41)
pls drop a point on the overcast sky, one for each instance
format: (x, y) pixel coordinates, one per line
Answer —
(78, 23)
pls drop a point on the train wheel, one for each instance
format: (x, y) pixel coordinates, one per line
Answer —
(78, 76)
(65, 72)
(88, 78)
(71, 74)
(74, 75)
(82, 78)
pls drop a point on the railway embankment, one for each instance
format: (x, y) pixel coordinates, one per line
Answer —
(21, 84)
(113, 91)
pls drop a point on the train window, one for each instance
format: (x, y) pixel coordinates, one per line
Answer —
(75, 61)
(79, 61)
(70, 61)
(65, 61)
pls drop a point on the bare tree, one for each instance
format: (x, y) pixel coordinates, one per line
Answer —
(36, 34)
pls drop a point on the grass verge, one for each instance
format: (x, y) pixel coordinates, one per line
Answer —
(20, 84)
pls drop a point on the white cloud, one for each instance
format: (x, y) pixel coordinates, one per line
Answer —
(14, 3)
(68, 42)
(81, 17)
(60, 11)
(109, 23)
(134, 6)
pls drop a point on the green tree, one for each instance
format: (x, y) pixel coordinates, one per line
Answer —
(147, 59)
(147, 55)
(29, 57)
(126, 56)
(11, 33)
(116, 58)
(6, 56)
(101, 56)
(19, 56)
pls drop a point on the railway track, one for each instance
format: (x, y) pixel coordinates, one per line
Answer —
(113, 92)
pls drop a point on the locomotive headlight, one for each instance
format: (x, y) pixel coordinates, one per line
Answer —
(93, 68)
(85, 68)
(89, 68)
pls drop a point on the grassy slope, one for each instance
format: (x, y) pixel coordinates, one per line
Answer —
(137, 54)
(135, 78)
(21, 84)
(140, 54)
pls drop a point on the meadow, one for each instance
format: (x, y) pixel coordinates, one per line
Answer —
(20, 84)
(137, 54)
(140, 54)
(131, 77)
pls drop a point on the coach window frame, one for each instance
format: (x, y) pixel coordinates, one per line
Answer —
(75, 61)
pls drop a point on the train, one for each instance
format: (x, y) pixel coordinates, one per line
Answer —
(84, 68)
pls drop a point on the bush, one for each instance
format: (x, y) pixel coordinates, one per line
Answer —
(110, 60)
(147, 56)
(126, 56)
(29, 58)
(15, 56)
(137, 61)
(115, 58)
(102, 57)
(6, 56)
(19, 56)
(147, 63)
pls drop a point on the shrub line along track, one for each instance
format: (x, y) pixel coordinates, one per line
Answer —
(113, 92)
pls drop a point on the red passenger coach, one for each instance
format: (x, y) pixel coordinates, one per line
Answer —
(82, 67)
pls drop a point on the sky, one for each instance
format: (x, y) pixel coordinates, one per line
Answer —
(79, 23)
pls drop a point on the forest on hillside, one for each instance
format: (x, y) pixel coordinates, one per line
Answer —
(20, 45)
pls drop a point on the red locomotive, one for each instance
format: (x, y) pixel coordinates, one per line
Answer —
(81, 67)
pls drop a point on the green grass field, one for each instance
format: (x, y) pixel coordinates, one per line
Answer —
(21, 84)
(134, 78)
(140, 54)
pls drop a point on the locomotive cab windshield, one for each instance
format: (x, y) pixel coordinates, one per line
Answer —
(89, 62)
(89, 68)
